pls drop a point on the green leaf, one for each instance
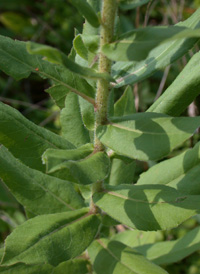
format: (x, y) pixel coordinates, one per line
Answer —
(73, 128)
(122, 171)
(147, 207)
(26, 140)
(87, 113)
(81, 166)
(55, 56)
(51, 238)
(87, 11)
(184, 177)
(159, 58)
(26, 269)
(136, 45)
(110, 257)
(172, 251)
(18, 63)
(135, 238)
(146, 136)
(80, 47)
(76, 266)
(38, 192)
(126, 104)
(132, 4)
(182, 92)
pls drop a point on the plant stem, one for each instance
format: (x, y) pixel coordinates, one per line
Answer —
(106, 36)
(103, 86)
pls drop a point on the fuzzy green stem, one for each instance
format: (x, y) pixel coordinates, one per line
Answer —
(107, 30)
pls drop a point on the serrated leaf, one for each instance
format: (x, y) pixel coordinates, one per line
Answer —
(87, 11)
(51, 238)
(112, 257)
(159, 58)
(172, 251)
(147, 207)
(38, 192)
(18, 63)
(122, 171)
(146, 136)
(25, 140)
(73, 128)
(132, 4)
(126, 103)
(181, 172)
(81, 166)
(136, 45)
(182, 92)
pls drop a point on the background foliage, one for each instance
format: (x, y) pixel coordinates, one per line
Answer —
(53, 23)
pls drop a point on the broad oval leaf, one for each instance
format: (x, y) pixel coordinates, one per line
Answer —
(146, 136)
(172, 251)
(81, 166)
(25, 140)
(147, 207)
(185, 177)
(159, 58)
(112, 257)
(37, 192)
(182, 91)
(26, 269)
(51, 238)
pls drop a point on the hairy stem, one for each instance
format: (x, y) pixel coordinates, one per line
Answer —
(107, 29)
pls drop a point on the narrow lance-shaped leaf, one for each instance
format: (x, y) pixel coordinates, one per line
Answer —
(172, 251)
(132, 4)
(181, 172)
(147, 207)
(18, 63)
(114, 257)
(81, 166)
(72, 125)
(51, 238)
(146, 136)
(87, 11)
(182, 91)
(37, 192)
(55, 56)
(136, 45)
(26, 140)
(159, 58)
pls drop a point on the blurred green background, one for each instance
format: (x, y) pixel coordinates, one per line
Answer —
(54, 23)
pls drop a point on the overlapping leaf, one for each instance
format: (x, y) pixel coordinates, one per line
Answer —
(132, 4)
(181, 92)
(159, 57)
(126, 103)
(181, 172)
(114, 257)
(25, 140)
(63, 236)
(172, 251)
(147, 207)
(137, 44)
(80, 166)
(18, 63)
(146, 136)
(38, 192)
